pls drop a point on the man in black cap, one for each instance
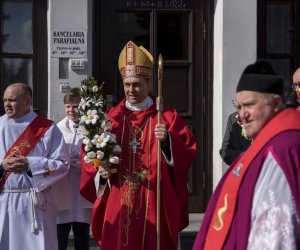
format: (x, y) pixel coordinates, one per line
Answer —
(234, 141)
(256, 204)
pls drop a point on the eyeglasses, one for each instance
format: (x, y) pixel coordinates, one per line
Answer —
(296, 86)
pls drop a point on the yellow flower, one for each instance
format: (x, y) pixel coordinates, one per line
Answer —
(96, 163)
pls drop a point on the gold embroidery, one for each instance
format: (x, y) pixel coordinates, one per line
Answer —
(218, 224)
(16, 150)
(133, 182)
(136, 172)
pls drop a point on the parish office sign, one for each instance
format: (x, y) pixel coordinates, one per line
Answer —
(68, 43)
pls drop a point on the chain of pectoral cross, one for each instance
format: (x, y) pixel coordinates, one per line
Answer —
(134, 143)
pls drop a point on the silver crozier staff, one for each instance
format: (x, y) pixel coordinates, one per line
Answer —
(159, 108)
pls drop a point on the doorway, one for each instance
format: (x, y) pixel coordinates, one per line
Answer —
(178, 30)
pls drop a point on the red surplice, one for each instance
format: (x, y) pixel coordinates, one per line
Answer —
(125, 217)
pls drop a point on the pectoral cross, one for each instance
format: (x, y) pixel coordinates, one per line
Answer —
(134, 144)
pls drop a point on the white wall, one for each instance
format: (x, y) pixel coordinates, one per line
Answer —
(69, 15)
(234, 49)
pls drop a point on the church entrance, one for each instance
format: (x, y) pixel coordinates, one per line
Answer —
(179, 31)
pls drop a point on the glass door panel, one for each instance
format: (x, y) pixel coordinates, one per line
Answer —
(173, 35)
(135, 27)
(17, 70)
(279, 35)
(17, 26)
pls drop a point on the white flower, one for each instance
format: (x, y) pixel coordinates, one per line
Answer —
(100, 155)
(87, 159)
(83, 87)
(99, 104)
(94, 141)
(95, 89)
(91, 154)
(90, 118)
(117, 149)
(94, 112)
(83, 118)
(87, 148)
(86, 141)
(114, 160)
(106, 139)
(113, 138)
(82, 103)
(97, 141)
(94, 121)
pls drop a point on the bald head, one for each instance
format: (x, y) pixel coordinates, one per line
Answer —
(296, 76)
(296, 82)
(22, 87)
(17, 99)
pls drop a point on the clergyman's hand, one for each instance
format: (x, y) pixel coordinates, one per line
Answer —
(15, 163)
(104, 170)
(160, 132)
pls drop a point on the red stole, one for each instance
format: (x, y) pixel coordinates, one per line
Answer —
(27, 140)
(225, 206)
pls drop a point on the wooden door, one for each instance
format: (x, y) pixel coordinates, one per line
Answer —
(174, 29)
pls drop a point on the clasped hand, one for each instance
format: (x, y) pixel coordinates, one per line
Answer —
(15, 163)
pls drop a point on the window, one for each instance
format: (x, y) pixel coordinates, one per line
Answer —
(17, 52)
(277, 37)
(24, 47)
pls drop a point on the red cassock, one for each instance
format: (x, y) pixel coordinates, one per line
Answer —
(125, 216)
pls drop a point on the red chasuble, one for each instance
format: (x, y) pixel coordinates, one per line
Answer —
(125, 217)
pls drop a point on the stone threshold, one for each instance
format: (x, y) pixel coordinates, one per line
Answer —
(195, 220)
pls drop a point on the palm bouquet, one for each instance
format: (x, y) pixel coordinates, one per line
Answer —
(99, 143)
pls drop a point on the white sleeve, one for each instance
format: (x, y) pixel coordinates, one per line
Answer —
(274, 219)
(100, 187)
(48, 161)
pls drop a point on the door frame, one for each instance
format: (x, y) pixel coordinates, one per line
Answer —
(205, 152)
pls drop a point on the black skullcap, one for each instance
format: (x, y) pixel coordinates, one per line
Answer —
(260, 77)
(260, 67)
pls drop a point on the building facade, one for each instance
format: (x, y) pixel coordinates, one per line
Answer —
(53, 45)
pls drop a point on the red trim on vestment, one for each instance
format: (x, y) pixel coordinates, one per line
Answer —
(27, 140)
(223, 214)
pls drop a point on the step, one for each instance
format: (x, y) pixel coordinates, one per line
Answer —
(187, 236)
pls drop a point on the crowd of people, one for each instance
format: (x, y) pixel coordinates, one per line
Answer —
(47, 188)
